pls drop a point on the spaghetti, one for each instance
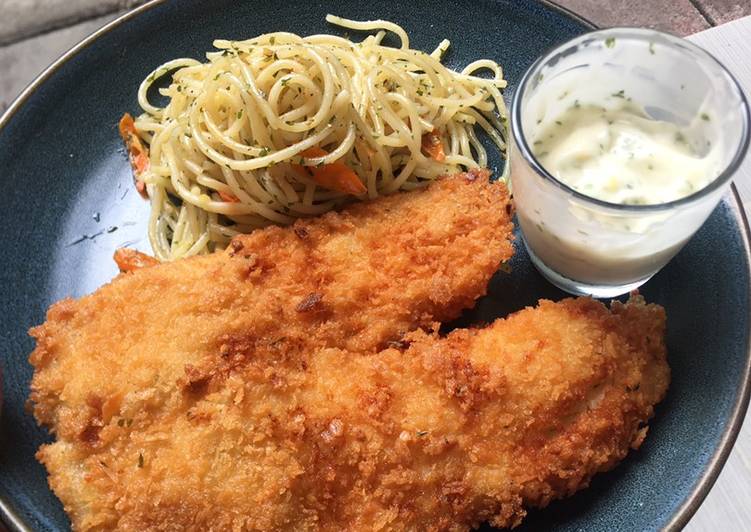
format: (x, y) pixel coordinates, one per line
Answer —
(280, 127)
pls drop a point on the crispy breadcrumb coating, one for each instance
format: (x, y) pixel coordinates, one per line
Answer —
(431, 434)
(355, 280)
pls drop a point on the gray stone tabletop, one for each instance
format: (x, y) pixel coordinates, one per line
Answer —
(33, 33)
(26, 18)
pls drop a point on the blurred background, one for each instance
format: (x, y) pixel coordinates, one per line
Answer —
(33, 33)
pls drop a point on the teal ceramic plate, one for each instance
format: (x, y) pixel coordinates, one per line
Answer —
(61, 163)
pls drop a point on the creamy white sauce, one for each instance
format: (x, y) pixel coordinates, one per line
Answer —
(615, 152)
(617, 122)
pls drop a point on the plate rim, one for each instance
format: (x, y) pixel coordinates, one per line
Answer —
(10, 516)
(716, 463)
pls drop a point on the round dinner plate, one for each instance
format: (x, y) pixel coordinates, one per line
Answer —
(68, 202)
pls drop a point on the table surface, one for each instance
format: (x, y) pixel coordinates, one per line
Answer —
(33, 33)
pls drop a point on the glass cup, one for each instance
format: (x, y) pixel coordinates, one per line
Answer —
(590, 246)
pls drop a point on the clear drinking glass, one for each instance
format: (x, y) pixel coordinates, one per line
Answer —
(589, 246)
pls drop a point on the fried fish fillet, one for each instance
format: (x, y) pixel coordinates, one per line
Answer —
(430, 434)
(354, 280)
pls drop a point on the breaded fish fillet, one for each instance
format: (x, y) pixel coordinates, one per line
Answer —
(431, 434)
(354, 280)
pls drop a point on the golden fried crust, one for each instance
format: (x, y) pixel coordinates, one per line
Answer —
(439, 434)
(330, 281)
(152, 339)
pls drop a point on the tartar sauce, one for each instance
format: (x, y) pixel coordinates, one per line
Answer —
(617, 153)
(628, 118)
